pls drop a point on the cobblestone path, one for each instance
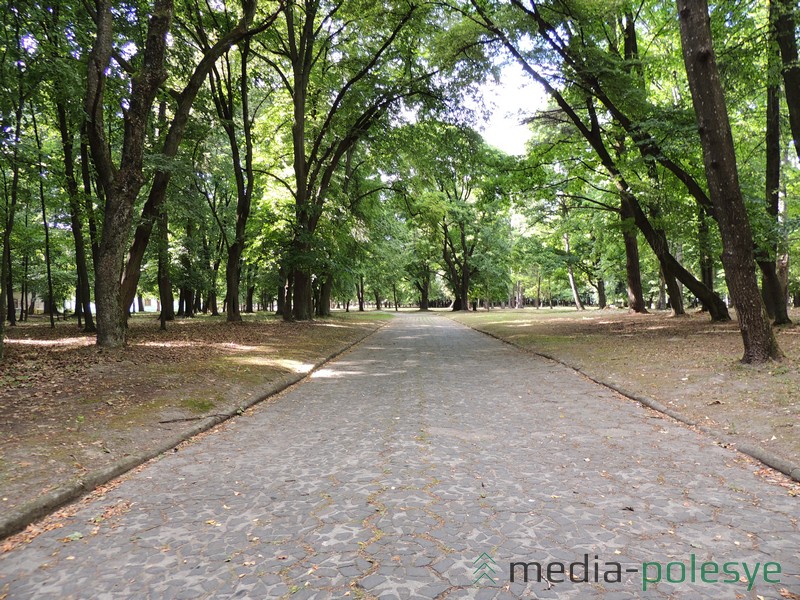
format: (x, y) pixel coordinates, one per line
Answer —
(390, 472)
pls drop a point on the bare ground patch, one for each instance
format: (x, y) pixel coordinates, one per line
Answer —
(68, 408)
(687, 363)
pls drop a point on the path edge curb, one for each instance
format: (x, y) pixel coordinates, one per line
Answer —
(40, 507)
(762, 455)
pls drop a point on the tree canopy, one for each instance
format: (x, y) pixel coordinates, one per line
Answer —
(296, 155)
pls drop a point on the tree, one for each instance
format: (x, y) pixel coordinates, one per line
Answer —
(120, 183)
(212, 51)
(723, 181)
(591, 128)
(343, 66)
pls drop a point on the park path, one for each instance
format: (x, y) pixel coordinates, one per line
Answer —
(392, 469)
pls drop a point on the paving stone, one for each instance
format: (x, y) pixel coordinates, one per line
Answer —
(392, 469)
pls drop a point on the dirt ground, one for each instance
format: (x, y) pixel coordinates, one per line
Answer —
(687, 363)
(68, 408)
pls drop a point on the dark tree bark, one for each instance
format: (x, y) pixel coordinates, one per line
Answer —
(772, 292)
(602, 301)
(706, 255)
(423, 285)
(360, 293)
(177, 128)
(76, 220)
(784, 20)
(40, 161)
(248, 305)
(7, 309)
(632, 264)
(723, 181)
(324, 305)
(86, 176)
(121, 184)
(166, 299)
(224, 90)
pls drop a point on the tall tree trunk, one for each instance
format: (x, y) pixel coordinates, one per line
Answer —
(165, 297)
(82, 289)
(772, 292)
(11, 312)
(7, 308)
(601, 293)
(324, 308)
(360, 293)
(784, 23)
(121, 185)
(177, 127)
(40, 161)
(86, 177)
(723, 181)
(632, 265)
(424, 292)
(302, 294)
(288, 312)
(281, 297)
(248, 307)
(706, 254)
(571, 274)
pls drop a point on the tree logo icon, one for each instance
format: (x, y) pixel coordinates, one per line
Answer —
(483, 568)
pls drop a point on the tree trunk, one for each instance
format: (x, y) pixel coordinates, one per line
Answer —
(82, 290)
(165, 297)
(232, 273)
(772, 292)
(40, 161)
(601, 293)
(188, 303)
(86, 176)
(360, 293)
(251, 290)
(706, 255)
(573, 286)
(140, 302)
(632, 267)
(723, 182)
(121, 185)
(424, 301)
(324, 308)
(302, 295)
(784, 21)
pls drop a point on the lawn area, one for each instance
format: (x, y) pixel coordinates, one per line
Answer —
(69, 410)
(687, 363)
